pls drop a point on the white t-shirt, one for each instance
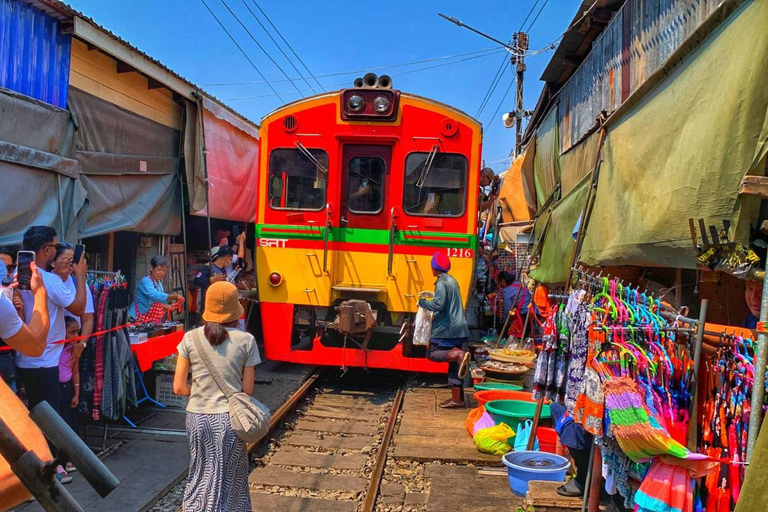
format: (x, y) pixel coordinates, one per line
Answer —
(59, 298)
(88, 299)
(10, 323)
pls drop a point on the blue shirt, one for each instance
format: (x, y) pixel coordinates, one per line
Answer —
(147, 293)
(3, 271)
(449, 321)
(513, 294)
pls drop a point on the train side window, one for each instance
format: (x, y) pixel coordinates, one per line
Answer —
(298, 179)
(365, 181)
(435, 184)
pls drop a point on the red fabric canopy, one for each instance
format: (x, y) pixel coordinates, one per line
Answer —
(232, 155)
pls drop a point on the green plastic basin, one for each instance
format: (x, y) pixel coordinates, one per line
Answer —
(497, 386)
(513, 412)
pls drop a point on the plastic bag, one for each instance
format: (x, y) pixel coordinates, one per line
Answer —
(485, 421)
(422, 330)
(523, 434)
(472, 419)
(494, 440)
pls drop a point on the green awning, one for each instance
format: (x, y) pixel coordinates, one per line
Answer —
(683, 150)
(546, 163)
(558, 240)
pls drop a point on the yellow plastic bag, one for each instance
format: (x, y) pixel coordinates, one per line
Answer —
(494, 440)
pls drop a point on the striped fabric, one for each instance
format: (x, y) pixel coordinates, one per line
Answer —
(665, 488)
(636, 427)
(218, 466)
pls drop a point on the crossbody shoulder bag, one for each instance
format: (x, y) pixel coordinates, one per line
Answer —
(249, 417)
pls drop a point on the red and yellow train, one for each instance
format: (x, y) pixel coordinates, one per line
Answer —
(357, 189)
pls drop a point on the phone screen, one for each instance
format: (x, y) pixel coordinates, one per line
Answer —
(79, 250)
(24, 272)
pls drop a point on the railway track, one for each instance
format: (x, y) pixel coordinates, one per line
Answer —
(327, 447)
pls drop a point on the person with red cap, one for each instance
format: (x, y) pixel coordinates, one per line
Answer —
(450, 333)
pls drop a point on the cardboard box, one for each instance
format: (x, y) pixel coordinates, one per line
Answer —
(164, 391)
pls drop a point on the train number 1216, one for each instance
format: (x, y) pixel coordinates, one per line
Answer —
(460, 253)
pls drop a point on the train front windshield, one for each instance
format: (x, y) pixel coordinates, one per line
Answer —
(435, 184)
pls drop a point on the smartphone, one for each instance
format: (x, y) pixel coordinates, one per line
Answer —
(236, 230)
(23, 269)
(79, 251)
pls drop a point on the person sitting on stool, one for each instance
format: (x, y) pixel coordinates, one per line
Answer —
(578, 441)
(450, 333)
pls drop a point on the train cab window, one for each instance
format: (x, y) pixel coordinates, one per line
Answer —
(298, 178)
(365, 187)
(435, 184)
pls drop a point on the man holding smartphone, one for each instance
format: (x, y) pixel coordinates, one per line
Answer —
(40, 375)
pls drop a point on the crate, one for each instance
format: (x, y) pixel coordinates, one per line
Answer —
(164, 391)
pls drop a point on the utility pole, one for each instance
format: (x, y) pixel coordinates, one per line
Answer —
(520, 43)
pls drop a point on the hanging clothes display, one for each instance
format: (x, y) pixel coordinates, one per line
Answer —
(626, 375)
(107, 379)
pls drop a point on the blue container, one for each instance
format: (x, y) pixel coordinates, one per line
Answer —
(524, 466)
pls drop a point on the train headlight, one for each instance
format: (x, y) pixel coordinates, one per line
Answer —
(381, 104)
(356, 103)
(275, 279)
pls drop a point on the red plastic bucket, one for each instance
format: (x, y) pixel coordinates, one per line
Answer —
(547, 439)
(483, 397)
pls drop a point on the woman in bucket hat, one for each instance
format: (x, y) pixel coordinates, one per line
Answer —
(218, 466)
(450, 333)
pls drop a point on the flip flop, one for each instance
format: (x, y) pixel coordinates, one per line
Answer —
(464, 365)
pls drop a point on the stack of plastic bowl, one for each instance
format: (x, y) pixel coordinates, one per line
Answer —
(525, 466)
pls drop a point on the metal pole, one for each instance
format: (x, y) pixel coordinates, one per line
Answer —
(693, 426)
(758, 389)
(63, 233)
(200, 115)
(521, 44)
(588, 481)
(182, 185)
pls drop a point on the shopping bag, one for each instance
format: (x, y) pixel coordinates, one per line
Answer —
(472, 418)
(423, 327)
(523, 434)
(494, 440)
(485, 421)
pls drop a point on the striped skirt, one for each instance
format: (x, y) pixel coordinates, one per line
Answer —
(218, 466)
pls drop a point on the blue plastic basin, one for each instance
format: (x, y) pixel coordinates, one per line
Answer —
(524, 466)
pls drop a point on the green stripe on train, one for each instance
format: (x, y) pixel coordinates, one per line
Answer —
(367, 236)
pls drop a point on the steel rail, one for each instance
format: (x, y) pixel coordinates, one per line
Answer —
(288, 407)
(381, 458)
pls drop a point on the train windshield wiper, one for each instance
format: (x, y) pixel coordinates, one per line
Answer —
(427, 166)
(309, 156)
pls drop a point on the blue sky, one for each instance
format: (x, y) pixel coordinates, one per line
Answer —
(336, 36)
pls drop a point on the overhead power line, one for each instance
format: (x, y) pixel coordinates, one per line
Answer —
(265, 52)
(345, 83)
(486, 52)
(529, 15)
(537, 15)
(492, 88)
(241, 50)
(277, 45)
(286, 43)
(503, 99)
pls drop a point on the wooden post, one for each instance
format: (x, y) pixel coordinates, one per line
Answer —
(111, 253)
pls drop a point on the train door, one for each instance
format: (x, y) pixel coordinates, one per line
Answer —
(364, 216)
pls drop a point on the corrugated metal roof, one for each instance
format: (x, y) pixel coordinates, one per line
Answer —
(64, 12)
(34, 53)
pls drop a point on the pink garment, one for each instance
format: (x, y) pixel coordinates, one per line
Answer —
(65, 361)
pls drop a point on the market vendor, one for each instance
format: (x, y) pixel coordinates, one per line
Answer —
(753, 295)
(578, 441)
(213, 272)
(152, 302)
(450, 333)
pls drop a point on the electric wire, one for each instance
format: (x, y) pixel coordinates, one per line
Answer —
(492, 88)
(537, 15)
(265, 52)
(344, 83)
(503, 98)
(529, 15)
(287, 43)
(241, 50)
(487, 51)
(278, 46)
